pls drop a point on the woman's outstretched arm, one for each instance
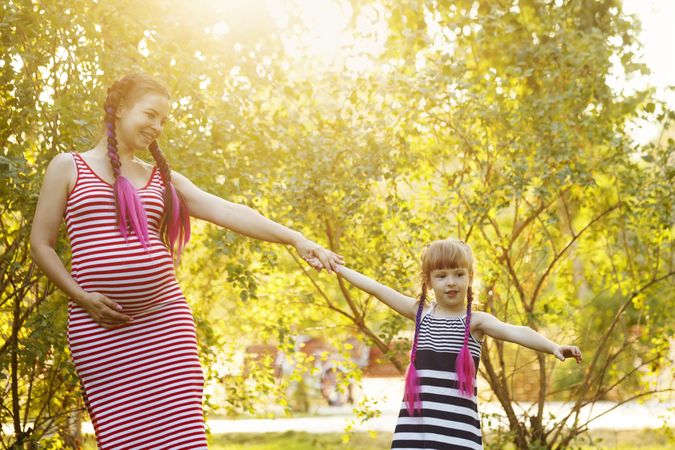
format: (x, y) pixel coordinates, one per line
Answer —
(247, 221)
(402, 304)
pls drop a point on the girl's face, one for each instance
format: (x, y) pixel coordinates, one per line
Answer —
(450, 287)
(139, 123)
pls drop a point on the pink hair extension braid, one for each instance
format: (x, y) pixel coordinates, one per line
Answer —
(465, 367)
(175, 227)
(130, 211)
(412, 395)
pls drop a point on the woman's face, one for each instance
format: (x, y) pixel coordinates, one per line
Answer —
(140, 122)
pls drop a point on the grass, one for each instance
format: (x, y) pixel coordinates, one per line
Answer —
(597, 440)
(299, 441)
(626, 440)
(289, 440)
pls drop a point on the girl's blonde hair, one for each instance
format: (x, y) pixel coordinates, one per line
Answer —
(448, 253)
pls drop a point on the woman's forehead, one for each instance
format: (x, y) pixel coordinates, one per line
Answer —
(153, 100)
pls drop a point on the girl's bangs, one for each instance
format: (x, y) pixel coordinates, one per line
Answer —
(447, 254)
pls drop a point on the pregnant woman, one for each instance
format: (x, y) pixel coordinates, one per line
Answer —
(130, 329)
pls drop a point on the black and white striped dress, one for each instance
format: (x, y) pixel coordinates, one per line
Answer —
(448, 420)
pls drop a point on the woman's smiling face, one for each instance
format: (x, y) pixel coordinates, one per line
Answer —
(141, 121)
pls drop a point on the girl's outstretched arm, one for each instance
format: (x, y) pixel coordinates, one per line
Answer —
(402, 304)
(525, 336)
(247, 221)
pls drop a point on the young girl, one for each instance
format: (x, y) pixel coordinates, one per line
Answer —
(439, 409)
(130, 330)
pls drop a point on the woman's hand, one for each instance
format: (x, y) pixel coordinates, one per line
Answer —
(317, 256)
(567, 351)
(104, 311)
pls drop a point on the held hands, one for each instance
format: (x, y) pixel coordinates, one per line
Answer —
(104, 311)
(567, 351)
(317, 256)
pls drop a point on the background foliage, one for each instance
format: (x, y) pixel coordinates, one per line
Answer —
(490, 121)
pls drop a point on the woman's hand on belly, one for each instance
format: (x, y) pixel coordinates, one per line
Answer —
(104, 311)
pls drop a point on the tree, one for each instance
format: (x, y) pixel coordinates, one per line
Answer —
(488, 122)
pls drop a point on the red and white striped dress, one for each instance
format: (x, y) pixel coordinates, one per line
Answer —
(143, 381)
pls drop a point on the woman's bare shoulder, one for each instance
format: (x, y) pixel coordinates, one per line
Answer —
(61, 170)
(60, 174)
(62, 160)
(62, 164)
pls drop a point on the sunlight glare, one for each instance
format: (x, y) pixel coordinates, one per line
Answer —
(327, 39)
(656, 39)
(325, 22)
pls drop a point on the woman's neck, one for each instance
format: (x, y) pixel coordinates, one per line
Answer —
(125, 155)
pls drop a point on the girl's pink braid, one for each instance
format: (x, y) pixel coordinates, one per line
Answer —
(130, 211)
(411, 394)
(465, 367)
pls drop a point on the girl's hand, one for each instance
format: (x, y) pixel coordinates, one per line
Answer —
(317, 256)
(104, 311)
(567, 351)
